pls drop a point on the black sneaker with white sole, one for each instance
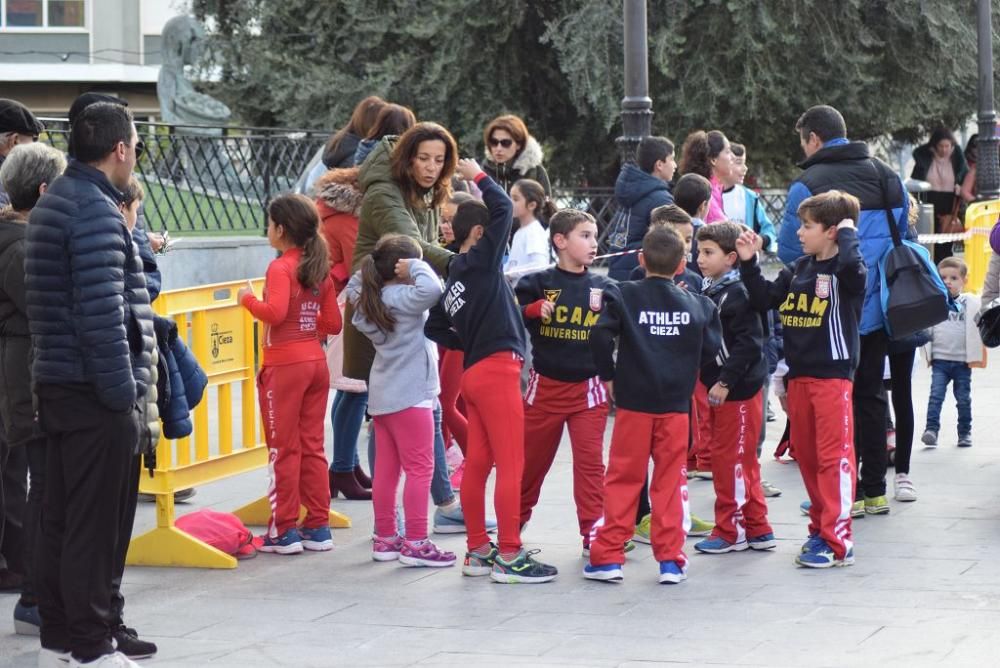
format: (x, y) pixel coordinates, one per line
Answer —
(127, 642)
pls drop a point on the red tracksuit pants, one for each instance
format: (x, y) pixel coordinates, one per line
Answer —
(700, 455)
(544, 420)
(492, 391)
(822, 421)
(293, 405)
(450, 373)
(740, 509)
(636, 437)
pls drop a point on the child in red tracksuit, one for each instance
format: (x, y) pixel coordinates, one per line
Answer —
(734, 378)
(479, 313)
(560, 305)
(665, 334)
(299, 307)
(819, 298)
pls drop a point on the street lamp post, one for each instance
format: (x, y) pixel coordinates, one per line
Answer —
(988, 163)
(637, 108)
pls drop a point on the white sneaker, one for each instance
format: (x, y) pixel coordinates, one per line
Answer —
(902, 488)
(50, 658)
(114, 660)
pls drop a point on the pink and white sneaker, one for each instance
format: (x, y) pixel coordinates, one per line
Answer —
(425, 553)
(386, 549)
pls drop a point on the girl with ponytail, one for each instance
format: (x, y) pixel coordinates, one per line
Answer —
(391, 294)
(298, 308)
(532, 210)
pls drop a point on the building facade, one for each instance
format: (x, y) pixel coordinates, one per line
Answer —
(53, 50)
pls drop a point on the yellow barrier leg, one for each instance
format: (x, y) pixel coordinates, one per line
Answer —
(258, 514)
(173, 547)
(255, 514)
(166, 545)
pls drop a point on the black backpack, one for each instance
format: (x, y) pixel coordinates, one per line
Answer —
(988, 322)
(913, 295)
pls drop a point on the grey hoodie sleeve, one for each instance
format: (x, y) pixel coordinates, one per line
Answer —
(423, 294)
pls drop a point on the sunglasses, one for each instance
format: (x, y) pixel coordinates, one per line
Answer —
(140, 148)
(506, 143)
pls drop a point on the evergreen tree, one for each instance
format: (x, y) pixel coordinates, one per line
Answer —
(748, 68)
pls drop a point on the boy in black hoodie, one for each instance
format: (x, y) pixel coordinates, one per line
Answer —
(819, 298)
(665, 334)
(560, 306)
(734, 379)
(486, 323)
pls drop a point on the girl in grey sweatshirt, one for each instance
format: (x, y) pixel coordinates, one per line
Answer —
(391, 294)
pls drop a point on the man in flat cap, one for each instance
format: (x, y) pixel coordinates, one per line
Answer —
(17, 126)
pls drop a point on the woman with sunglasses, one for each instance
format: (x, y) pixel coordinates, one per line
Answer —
(513, 154)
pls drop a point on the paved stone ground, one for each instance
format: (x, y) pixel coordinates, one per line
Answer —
(925, 589)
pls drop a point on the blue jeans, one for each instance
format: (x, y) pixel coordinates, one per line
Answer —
(441, 489)
(942, 373)
(346, 416)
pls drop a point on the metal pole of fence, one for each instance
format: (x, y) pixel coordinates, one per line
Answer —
(637, 108)
(987, 166)
(267, 174)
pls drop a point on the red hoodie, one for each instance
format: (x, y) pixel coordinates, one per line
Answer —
(295, 318)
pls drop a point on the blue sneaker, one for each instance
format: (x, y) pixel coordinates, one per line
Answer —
(812, 543)
(821, 556)
(672, 573)
(805, 506)
(317, 540)
(717, 545)
(451, 520)
(287, 543)
(604, 572)
(27, 621)
(763, 542)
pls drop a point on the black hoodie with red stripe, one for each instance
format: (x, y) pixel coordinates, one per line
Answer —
(819, 302)
(665, 335)
(740, 362)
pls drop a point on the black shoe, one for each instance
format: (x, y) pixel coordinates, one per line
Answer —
(128, 643)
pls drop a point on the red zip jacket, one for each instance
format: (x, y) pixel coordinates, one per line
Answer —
(295, 318)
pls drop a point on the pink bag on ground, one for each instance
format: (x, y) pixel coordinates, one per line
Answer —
(223, 531)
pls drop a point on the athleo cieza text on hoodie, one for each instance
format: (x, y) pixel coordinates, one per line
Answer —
(665, 335)
(819, 302)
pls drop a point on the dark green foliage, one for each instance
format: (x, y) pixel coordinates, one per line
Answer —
(894, 67)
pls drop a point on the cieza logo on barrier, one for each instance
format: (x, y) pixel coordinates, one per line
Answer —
(219, 339)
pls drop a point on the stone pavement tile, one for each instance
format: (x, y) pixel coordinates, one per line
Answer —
(909, 617)
(396, 646)
(503, 660)
(703, 648)
(912, 647)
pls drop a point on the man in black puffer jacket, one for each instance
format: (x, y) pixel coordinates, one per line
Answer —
(92, 329)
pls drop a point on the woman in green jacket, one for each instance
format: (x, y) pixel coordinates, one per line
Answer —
(405, 181)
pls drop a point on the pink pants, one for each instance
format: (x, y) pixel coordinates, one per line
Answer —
(405, 443)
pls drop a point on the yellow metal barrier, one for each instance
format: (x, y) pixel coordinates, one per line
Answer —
(979, 220)
(221, 334)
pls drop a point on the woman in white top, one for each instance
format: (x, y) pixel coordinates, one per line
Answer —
(530, 247)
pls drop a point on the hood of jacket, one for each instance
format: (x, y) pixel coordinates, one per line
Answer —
(633, 185)
(338, 190)
(531, 156)
(377, 168)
